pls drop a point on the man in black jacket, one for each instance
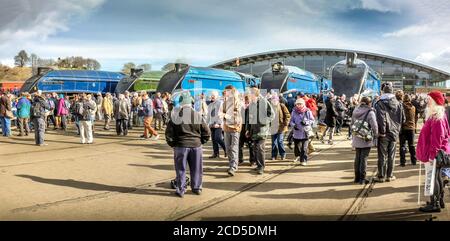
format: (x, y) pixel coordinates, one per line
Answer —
(38, 108)
(186, 132)
(390, 118)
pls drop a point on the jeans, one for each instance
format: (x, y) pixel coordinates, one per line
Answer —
(39, 130)
(386, 157)
(6, 126)
(407, 136)
(361, 163)
(278, 145)
(188, 156)
(232, 148)
(217, 140)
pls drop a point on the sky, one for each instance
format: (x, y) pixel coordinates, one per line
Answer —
(205, 32)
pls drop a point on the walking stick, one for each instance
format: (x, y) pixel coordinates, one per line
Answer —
(420, 177)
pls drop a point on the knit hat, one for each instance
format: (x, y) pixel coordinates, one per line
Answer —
(437, 96)
(387, 88)
(300, 101)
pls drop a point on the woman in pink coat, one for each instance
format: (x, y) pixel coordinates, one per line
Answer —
(63, 111)
(433, 138)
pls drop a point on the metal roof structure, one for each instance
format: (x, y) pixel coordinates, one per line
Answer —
(329, 52)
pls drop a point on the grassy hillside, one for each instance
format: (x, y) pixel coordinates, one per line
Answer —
(14, 74)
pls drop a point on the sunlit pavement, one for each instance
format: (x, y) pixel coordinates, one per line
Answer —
(125, 178)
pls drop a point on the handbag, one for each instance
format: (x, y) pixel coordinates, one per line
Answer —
(308, 129)
(9, 114)
(361, 129)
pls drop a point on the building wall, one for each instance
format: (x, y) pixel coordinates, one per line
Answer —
(405, 78)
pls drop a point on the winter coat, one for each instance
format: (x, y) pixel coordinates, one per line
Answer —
(107, 105)
(260, 116)
(231, 112)
(45, 106)
(330, 117)
(214, 110)
(182, 132)
(312, 106)
(157, 103)
(23, 108)
(358, 114)
(410, 114)
(5, 105)
(341, 109)
(433, 137)
(62, 108)
(89, 106)
(147, 107)
(283, 117)
(297, 118)
(290, 103)
(390, 116)
(122, 109)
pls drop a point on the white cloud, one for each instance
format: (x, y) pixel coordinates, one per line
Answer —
(25, 20)
(382, 5)
(439, 59)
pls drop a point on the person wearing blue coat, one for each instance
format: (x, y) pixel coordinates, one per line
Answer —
(23, 115)
(301, 117)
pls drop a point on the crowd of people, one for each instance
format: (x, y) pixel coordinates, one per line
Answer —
(39, 112)
(238, 120)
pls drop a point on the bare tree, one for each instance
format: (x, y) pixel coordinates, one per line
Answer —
(21, 59)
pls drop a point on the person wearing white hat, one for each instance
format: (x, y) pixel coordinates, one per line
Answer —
(301, 119)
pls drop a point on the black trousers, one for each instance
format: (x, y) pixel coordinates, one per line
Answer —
(259, 152)
(361, 163)
(250, 150)
(301, 149)
(52, 119)
(122, 127)
(217, 140)
(407, 136)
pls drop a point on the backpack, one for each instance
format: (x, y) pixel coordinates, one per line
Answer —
(52, 104)
(36, 109)
(79, 109)
(361, 129)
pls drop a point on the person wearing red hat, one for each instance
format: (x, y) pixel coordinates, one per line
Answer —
(434, 138)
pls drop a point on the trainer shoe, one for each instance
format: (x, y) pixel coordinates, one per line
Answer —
(364, 181)
(297, 160)
(197, 191)
(430, 209)
(391, 179)
(379, 179)
(260, 171)
(155, 138)
(303, 163)
(231, 172)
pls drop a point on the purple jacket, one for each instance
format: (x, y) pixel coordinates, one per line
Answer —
(296, 120)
